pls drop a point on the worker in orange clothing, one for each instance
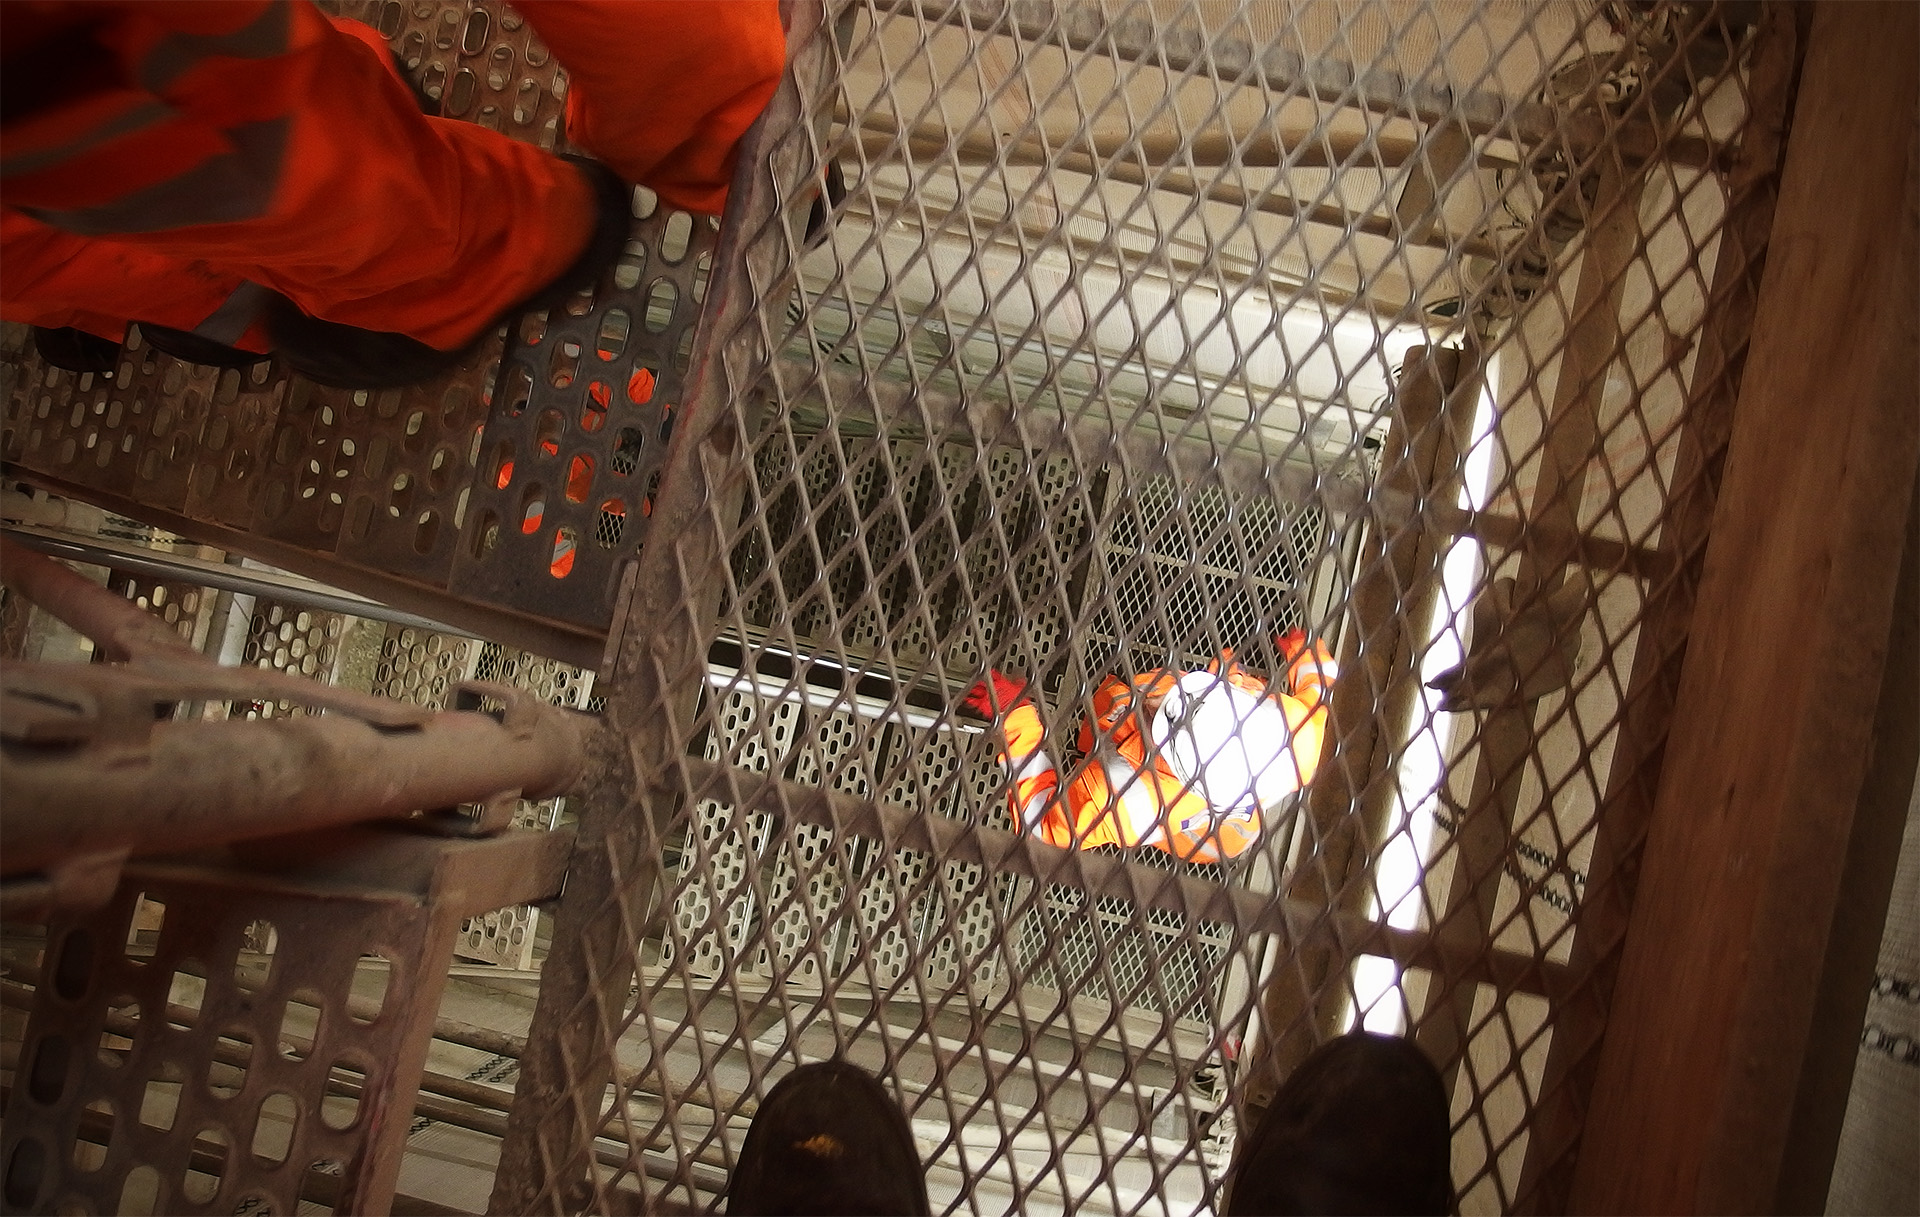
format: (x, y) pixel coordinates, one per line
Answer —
(1187, 762)
(271, 166)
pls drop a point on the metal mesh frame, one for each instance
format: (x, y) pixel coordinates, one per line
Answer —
(1102, 365)
(984, 423)
(245, 1030)
(248, 1033)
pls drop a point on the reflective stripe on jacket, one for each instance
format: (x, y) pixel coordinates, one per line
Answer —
(1123, 791)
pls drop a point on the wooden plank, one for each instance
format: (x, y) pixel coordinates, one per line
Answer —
(1647, 711)
(1466, 879)
(1866, 892)
(1712, 1020)
(1418, 211)
(1346, 809)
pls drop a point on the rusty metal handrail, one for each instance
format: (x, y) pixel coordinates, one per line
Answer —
(93, 770)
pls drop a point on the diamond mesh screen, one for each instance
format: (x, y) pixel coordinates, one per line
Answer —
(1145, 333)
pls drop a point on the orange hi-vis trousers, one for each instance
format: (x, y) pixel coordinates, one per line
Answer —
(167, 160)
(1125, 793)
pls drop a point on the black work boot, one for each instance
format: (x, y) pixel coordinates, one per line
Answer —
(189, 347)
(75, 350)
(1361, 1127)
(828, 1139)
(348, 357)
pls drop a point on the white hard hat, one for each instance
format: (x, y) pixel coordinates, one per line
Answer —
(1234, 746)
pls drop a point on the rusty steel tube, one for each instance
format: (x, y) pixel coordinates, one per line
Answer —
(188, 784)
(113, 623)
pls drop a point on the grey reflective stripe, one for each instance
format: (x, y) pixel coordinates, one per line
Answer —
(146, 114)
(262, 38)
(1036, 806)
(232, 318)
(1033, 766)
(1136, 797)
(219, 190)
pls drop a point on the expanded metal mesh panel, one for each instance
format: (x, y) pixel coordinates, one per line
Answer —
(1144, 334)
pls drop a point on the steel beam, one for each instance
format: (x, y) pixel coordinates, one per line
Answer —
(158, 564)
(664, 624)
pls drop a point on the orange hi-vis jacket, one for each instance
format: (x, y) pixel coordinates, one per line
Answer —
(1129, 791)
(172, 160)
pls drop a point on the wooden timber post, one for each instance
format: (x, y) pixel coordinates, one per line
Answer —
(1647, 709)
(1472, 871)
(1703, 1070)
(1347, 807)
